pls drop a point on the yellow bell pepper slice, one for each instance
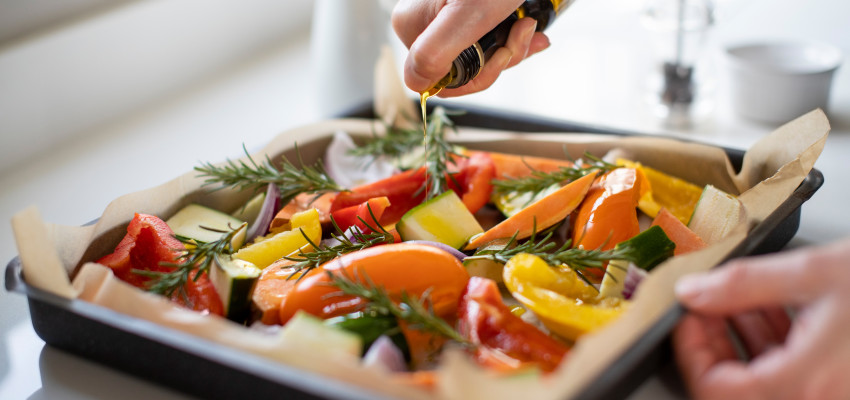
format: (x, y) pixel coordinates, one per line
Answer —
(678, 196)
(275, 246)
(561, 300)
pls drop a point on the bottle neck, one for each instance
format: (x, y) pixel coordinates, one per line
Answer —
(470, 62)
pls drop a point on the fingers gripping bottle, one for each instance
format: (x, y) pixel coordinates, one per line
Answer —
(469, 63)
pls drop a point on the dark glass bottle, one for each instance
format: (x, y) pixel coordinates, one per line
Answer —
(468, 64)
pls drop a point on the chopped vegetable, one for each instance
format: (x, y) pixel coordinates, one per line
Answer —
(444, 219)
(402, 190)
(546, 212)
(686, 240)
(364, 215)
(506, 342)
(274, 284)
(678, 196)
(268, 249)
(646, 250)
(205, 224)
(149, 246)
(398, 268)
(488, 267)
(716, 214)
(370, 326)
(263, 220)
(538, 181)
(233, 280)
(564, 303)
(608, 214)
(384, 353)
(308, 332)
(350, 170)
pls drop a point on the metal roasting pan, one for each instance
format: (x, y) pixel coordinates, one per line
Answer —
(210, 370)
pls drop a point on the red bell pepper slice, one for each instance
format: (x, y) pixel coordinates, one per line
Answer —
(148, 243)
(472, 183)
(608, 214)
(475, 180)
(401, 190)
(355, 215)
(505, 342)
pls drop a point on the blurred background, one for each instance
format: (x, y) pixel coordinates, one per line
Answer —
(102, 98)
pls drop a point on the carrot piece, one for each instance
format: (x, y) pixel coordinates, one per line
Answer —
(303, 202)
(544, 213)
(274, 284)
(686, 240)
(515, 166)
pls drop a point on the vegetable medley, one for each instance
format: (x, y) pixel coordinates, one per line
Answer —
(406, 257)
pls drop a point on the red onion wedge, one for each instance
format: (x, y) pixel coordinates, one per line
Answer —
(634, 276)
(442, 246)
(385, 354)
(271, 204)
(350, 170)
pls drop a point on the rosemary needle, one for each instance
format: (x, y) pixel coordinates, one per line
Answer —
(539, 180)
(578, 259)
(291, 180)
(439, 153)
(418, 313)
(394, 144)
(306, 261)
(197, 256)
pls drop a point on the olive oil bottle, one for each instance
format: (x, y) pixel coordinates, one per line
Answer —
(469, 63)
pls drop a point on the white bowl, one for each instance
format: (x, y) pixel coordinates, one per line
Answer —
(777, 82)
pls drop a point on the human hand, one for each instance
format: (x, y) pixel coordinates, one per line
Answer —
(436, 31)
(809, 361)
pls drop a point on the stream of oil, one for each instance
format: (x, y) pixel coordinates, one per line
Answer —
(423, 101)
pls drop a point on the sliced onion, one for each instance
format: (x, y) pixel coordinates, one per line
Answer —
(330, 242)
(385, 354)
(352, 171)
(271, 204)
(442, 246)
(634, 276)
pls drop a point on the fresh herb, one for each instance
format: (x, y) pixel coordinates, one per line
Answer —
(539, 181)
(291, 180)
(419, 313)
(197, 256)
(394, 144)
(323, 253)
(439, 153)
(578, 259)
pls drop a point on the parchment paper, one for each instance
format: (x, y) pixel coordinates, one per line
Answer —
(772, 169)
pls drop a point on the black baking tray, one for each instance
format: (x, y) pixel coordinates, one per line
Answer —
(210, 370)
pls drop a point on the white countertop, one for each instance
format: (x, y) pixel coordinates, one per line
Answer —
(593, 73)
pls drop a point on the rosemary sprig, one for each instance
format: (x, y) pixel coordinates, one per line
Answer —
(419, 313)
(539, 180)
(395, 143)
(323, 253)
(290, 179)
(196, 256)
(439, 153)
(578, 259)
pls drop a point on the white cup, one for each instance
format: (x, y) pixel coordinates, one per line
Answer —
(779, 81)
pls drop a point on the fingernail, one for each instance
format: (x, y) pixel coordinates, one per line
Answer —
(530, 31)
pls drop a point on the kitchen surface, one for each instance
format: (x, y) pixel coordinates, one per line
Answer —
(97, 104)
